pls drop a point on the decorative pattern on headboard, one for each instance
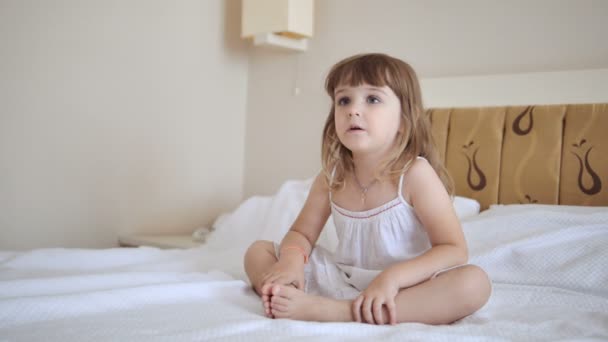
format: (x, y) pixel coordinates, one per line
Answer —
(551, 154)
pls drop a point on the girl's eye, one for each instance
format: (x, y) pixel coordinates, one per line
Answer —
(343, 101)
(373, 99)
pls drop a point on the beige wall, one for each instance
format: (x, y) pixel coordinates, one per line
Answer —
(153, 116)
(468, 52)
(118, 116)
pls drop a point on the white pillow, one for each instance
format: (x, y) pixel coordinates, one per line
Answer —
(465, 207)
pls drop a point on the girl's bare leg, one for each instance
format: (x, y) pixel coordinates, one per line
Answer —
(260, 257)
(289, 302)
(450, 296)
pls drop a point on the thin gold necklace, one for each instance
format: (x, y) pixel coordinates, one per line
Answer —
(362, 188)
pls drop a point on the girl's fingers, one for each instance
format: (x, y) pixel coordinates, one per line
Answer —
(264, 283)
(276, 279)
(271, 278)
(265, 277)
(392, 312)
(281, 280)
(267, 308)
(356, 307)
(366, 309)
(266, 288)
(377, 310)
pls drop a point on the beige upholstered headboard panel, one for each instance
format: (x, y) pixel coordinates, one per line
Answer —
(550, 154)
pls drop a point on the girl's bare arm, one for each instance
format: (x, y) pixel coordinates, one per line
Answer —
(310, 222)
(435, 210)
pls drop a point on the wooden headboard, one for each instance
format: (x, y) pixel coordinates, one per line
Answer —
(550, 154)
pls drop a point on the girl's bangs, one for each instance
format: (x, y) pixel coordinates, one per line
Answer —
(372, 71)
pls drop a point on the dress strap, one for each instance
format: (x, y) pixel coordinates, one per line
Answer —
(400, 186)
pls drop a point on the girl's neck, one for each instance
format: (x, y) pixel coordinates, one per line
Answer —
(365, 167)
(366, 164)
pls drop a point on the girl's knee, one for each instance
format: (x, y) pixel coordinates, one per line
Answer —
(260, 246)
(475, 286)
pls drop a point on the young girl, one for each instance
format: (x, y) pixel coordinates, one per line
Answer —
(401, 256)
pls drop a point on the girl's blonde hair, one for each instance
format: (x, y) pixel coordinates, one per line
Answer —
(416, 140)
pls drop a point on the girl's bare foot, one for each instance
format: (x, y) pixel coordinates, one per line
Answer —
(266, 297)
(289, 302)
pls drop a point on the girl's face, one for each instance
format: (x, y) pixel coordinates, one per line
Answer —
(367, 118)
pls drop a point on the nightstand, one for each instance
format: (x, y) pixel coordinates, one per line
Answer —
(161, 241)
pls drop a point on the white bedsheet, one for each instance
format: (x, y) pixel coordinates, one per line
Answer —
(548, 267)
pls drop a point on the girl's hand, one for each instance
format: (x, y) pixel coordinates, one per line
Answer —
(284, 272)
(380, 292)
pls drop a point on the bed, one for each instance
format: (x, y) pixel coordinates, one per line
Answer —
(538, 173)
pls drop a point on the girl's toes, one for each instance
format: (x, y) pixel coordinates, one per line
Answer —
(280, 314)
(279, 300)
(267, 308)
(275, 290)
(278, 307)
(287, 292)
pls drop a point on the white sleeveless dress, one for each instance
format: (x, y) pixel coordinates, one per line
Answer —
(368, 242)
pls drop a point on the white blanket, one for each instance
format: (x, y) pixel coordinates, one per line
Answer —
(547, 265)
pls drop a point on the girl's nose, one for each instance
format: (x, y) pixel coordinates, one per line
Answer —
(354, 111)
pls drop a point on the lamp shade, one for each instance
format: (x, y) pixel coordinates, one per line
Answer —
(289, 18)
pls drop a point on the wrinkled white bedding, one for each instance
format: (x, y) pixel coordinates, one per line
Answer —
(547, 264)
